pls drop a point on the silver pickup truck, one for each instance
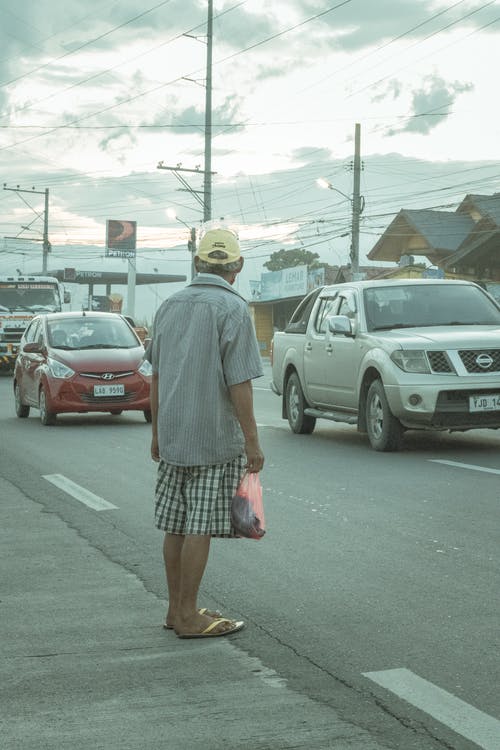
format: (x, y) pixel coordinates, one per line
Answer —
(389, 356)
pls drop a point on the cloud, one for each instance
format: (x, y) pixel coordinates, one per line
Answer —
(122, 138)
(357, 27)
(431, 105)
(393, 90)
(192, 120)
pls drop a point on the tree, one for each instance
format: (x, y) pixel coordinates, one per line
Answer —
(290, 258)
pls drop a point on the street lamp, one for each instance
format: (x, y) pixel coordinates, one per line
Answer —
(322, 183)
(357, 202)
(192, 238)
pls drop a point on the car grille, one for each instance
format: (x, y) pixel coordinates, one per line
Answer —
(99, 375)
(89, 398)
(469, 358)
(439, 362)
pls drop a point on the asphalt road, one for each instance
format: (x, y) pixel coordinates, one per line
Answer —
(376, 588)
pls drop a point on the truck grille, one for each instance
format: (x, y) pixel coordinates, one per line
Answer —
(470, 360)
(439, 362)
(452, 411)
(12, 335)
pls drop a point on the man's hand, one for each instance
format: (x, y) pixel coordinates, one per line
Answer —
(155, 453)
(255, 457)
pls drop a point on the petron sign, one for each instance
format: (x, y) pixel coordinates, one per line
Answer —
(121, 238)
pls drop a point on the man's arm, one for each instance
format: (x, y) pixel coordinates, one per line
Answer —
(153, 396)
(242, 399)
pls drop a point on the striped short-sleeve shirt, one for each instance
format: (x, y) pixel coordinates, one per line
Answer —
(203, 341)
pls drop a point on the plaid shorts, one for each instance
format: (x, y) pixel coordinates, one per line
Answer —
(197, 499)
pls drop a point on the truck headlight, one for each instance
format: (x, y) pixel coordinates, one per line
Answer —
(58, 370)
(411, 360)
(146, 368)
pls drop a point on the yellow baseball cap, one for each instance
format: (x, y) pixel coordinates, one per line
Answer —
(219, 247)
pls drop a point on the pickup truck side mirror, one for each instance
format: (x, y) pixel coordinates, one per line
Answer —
(341, 325)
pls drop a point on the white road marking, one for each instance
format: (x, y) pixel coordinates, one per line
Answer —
(459, 716)
(459, 465)
(79, 493)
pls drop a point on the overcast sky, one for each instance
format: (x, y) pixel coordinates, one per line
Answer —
(93, 95)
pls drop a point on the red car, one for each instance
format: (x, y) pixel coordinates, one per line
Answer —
(81, 362)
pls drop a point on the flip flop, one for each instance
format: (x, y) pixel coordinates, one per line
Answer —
(207, 633)
(202, 611)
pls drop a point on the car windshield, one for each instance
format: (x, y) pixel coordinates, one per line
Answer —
(91, 333)
(416, 306)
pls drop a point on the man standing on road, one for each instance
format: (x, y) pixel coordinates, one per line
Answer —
(204, 356)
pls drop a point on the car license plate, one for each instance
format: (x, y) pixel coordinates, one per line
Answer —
(109, 390)
(486, 402)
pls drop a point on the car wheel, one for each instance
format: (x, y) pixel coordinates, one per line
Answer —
(116, 412)
(385, 432)
(47, 417)
(147, 415)
(21, 409)
(299, 422)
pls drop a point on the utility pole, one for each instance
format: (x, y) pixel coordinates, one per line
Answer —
(46, 243)
(46, 246)
(206, 201)
(207, 190)
(192, 250)
(356, 204)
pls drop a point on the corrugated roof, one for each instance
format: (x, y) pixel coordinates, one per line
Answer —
(487, 205)
(442, 230)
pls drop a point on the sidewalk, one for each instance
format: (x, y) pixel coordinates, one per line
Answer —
(85, 663)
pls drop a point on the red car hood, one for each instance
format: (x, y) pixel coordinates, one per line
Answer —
(100, 360)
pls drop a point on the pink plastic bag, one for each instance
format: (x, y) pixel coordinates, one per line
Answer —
(247, 508)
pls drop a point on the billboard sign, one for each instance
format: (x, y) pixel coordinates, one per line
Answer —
(290, 282)
(121, 237)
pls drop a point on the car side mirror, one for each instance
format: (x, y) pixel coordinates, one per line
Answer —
(33, 348)
(340, 325)
(67, 297)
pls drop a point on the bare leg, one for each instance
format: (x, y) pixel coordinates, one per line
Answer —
(188, 619)
(172, 552)
(193, 561)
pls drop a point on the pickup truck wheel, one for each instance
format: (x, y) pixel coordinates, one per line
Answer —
(299, 422)
(21, 409)
(385, 432)
(47, 417)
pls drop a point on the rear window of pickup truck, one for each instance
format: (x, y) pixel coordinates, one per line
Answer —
(300, 318)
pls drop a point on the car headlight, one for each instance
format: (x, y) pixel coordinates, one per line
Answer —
(146, 368)
(411, 360)
(58, 370)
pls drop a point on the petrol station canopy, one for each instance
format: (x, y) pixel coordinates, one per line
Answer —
(73, 276)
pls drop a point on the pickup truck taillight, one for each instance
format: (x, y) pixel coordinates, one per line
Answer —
(271, 352)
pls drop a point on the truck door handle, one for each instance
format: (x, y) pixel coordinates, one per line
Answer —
(329, 349)
(308, 346)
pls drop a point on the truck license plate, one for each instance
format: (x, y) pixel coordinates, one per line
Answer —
(110, 390)
(487, 402)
